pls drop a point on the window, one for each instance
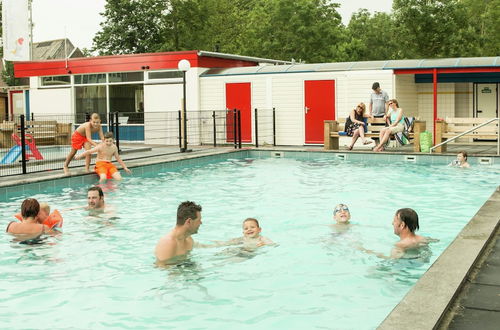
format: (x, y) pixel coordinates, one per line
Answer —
(90, 99)
(126, 76)
(165, 74)
(90, 79)
(55, 80)
(128, 101)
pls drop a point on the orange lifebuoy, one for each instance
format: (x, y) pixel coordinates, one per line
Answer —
(55, 219)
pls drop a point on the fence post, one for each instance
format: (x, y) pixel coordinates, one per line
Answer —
(117, 131)
(256, 120)
(87, 116)
(239, 129)
(234, 129)
(111, 125)
(274, 127)
(32, 116)
(23, 145)
(180, 129)
(215, 129)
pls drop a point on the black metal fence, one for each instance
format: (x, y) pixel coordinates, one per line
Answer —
(42, 142)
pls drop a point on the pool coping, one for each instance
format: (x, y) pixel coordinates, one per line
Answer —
(428, 301)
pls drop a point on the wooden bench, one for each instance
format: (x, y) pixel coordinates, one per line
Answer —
(48, 132)
(332, 128)
(451, 127)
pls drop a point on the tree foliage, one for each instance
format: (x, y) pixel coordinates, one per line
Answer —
(308, 30)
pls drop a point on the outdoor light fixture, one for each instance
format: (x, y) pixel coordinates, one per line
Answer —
(183, 66)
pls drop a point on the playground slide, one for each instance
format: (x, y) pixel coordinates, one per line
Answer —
(12, 155)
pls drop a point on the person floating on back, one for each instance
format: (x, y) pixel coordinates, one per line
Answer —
(82, 137)
(30, 229)
(103, 166)
(172, 247)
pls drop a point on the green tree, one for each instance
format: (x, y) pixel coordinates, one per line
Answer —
(308, 30)
(371, 37)
(484, 23)
(433, 28)
(130, 27)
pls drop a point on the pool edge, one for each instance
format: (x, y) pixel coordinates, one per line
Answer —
(428, 301)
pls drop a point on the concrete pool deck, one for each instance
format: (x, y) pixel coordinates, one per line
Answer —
(439, 298)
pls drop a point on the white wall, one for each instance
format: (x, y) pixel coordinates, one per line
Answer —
(51, 101)
(406, 94)
(285, 92)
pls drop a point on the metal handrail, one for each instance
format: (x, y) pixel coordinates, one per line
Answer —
(471, 130)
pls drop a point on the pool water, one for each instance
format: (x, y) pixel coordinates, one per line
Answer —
(100, 273)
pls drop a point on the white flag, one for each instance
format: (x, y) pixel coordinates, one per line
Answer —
(16, 30)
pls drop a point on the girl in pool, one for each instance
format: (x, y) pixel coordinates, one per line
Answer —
(461, 160)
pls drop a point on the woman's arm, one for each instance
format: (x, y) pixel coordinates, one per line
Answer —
(352, 115)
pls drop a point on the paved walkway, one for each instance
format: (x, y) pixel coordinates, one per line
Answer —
(479, 301)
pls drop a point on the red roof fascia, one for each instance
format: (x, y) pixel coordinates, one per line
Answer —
(448, 70)
(120, 63)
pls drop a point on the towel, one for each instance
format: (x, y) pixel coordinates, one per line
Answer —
(403, 137)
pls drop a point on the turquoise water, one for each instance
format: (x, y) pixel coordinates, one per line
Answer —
(100, 272)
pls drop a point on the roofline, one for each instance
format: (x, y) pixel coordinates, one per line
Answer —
(241, 57)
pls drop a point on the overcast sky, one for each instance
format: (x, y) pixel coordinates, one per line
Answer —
(79, 20)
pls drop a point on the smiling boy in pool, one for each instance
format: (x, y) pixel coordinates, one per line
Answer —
(251, 235)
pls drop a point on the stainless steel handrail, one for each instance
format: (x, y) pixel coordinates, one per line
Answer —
(471, 130)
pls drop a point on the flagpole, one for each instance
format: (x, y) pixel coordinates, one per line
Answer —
(31, 29)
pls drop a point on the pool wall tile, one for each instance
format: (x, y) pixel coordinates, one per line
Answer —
(3, 194)
(15, 191)
(32, 188)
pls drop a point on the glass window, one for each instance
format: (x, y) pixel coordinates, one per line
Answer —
(165, 74)
(90, 78)
(128, 101)
(90, 99)
(126, 76)
(55, 80)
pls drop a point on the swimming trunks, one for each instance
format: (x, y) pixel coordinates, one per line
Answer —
(102, 167)
(77, 140)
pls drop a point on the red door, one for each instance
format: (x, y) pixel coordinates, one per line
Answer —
(238, 96)
(319, 106)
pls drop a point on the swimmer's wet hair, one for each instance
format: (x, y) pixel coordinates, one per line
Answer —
(409, 217)
(30, 208)
(96, 188)
(108, 135)
(252, 219)
(187, 210)
(463, 154)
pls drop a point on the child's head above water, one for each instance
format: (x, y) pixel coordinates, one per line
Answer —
(251, 228)
(341, 213)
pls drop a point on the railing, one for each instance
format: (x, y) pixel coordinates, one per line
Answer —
(471, 130)
(43, 142)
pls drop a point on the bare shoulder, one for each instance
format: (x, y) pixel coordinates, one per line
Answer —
(165, 248)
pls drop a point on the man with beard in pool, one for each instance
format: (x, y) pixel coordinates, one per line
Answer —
(172, 247)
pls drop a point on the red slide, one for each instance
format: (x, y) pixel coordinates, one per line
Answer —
(30, 142)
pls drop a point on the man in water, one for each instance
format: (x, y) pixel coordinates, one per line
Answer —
(405, 223)
(178, 242)
(95, 199)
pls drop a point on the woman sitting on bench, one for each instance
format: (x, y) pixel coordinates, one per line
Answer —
(397, 124)
(355, 125)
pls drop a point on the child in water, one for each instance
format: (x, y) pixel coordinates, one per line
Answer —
(251, 235)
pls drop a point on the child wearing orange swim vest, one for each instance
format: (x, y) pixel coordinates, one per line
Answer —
(82, 137)
(103, 166)
(51, 220)
(29, 230)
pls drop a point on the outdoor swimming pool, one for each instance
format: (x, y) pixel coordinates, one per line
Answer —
(100, 273)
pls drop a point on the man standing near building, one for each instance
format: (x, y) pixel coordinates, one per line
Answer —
(379, 102)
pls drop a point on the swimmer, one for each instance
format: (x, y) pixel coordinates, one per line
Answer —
(405, 223)
(461, 160)
(178, 242)
(342, 217)
(95, 199)
(251, 235)
(30, 230)
(103, 166)
(82, 137)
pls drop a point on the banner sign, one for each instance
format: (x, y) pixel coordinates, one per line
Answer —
(16, 30)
